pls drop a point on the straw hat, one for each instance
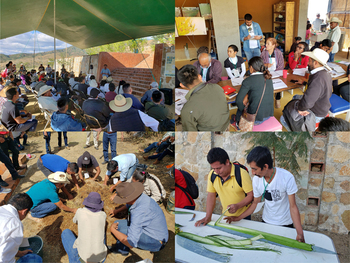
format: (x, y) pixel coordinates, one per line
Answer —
(58, 178)
(319, 55)
(104, 78)
(335, 20)
(154, 84)
(109, 79)
(120, 103)
(42, 72)
(127, 192)
(3, 91)
(44, 89)
(93, 83)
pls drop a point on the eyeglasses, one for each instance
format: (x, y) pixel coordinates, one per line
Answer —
(300, 47)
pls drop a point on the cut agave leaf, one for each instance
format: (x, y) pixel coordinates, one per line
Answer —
(178, 225)
(232, 242)
(199, 239)
(270, 237)
(183, 212)
(222, 215)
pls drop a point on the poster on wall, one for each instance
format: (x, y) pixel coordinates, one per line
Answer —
(177, 12)
(190, 11)
(188, 26)
(169, 65)
(205, 11)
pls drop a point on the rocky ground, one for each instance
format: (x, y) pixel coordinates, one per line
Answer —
(51, 227)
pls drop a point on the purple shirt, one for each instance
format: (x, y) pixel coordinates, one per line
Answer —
(110, 95)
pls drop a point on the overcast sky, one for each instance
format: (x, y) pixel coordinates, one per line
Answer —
(24, 43)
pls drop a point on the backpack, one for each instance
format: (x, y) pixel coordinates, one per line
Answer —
(163, 194)
(166, 125)
(238, 176)
(191, 189)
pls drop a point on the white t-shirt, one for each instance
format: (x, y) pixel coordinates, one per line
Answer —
(276, 210)
(253, 43)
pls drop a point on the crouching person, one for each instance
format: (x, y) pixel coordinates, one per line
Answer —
(45, 197)
(145, 227)
(11, 234)
(89, 246)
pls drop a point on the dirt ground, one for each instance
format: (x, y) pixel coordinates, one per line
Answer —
(51, 227)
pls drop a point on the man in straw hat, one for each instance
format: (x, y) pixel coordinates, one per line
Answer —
(45, 100)
(11, 234)
(146, 226)
(45, 197)
(127, 118)
(334, 35)
(90, 243)
(319, 86)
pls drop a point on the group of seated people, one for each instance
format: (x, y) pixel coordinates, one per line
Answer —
(206, 108)
(140, 192)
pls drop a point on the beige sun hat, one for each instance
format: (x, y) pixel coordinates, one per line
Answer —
(93, 83)
(109, 79)
(104, 78)
(44, 89)
(3, 91)
(319, 55)
(42, 72)
(335, 20)
(120, 103)
(58, 178)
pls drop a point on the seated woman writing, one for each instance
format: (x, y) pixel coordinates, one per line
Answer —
(234, 64)
(253, 86)
(273, 60)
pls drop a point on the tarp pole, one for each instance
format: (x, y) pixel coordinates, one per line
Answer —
(34, 52)
(54, 37)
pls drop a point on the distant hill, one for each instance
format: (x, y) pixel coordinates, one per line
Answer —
(40, 58)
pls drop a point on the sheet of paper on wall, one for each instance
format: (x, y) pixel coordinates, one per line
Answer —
(300, 71)
(205, 10)
(169, 64)
(237, 81)
(189, 26)
(180, 100)
(278, 84)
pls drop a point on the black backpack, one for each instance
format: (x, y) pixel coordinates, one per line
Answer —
(192, 188)
(166, 125)
(238, 176)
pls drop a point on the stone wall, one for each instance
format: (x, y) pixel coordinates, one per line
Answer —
(330, 186)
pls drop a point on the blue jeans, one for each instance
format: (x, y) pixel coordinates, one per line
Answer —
(109, 138)
(68, 239)
(160, 156)
(30, 258)
(27, 126)
(331, 57)
(252, 53)
(155, 145)
(43, 209)
(132, 169)
(145, 242)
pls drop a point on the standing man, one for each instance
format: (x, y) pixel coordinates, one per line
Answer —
(11, 234)
(124, 163)
(231, 182)
(51, 163)
(105, 71)
(317, 23)
(48, 70)
(250, 34)
(277, 187)
(210, 69)
(334, 35)
(109, 138)
(87, 163)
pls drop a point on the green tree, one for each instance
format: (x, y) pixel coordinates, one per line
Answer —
(285, 147)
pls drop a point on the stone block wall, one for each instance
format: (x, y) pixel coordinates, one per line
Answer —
(330, 186)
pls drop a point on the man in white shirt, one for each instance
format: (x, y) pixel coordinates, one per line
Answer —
(277, 187)
(317, 23)
(45, 100)
(334, 35)
(11, 234)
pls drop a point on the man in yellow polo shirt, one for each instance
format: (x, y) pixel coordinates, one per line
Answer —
(235, 192)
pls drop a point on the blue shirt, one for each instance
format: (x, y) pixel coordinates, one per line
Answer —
(125, 161)
(43, 191)
(105, 72)
(243, 32)
(55, 163)
(146, 217)
(148, 96)
(135, 102)
(65, 122)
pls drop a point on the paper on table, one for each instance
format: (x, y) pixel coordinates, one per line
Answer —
(336, 68)
(277, 73)
(299, 71)
(180, 100)
(344, 62)
(278, 84)
(237, 81)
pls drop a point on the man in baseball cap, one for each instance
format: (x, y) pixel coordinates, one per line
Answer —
(87, 163)
(146, 226)
(45, 197)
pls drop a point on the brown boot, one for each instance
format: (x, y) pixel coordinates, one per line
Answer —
(156, 162)
(145, 157)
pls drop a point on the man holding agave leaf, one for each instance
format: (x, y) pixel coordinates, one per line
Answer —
(277, 188)
(231, 182)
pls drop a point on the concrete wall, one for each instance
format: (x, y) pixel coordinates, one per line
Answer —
(302, 18)
(331, 185)
(226, 27)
